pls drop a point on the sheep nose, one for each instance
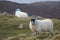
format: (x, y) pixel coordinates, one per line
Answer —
(33, 23)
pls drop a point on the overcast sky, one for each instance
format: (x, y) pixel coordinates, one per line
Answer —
(30, 1)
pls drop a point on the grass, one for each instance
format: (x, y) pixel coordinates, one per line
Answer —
(56, 24)
(9, 29)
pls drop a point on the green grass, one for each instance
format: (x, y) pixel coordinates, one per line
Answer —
(56, 24)
(9, 28)
(9, 23)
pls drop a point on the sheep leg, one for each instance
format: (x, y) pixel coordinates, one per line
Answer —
(35, 33)
(51, 32)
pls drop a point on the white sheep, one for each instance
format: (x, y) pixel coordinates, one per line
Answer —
(38, 26)
(20, 14)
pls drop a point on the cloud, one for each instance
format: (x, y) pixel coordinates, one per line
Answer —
(30, 1)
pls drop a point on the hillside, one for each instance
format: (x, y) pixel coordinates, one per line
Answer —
(10, 7)
(47, 9)
(9, 29)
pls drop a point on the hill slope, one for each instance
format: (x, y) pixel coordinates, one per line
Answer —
(44, 9)
(9, 29)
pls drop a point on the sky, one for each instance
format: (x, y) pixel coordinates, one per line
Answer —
(30, 1)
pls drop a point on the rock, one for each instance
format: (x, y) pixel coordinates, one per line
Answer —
(20, 26)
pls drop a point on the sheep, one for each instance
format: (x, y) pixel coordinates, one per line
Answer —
(21, 14)
(38, 26)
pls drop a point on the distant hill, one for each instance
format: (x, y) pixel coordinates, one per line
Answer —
(10, 7)
(47, 9)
